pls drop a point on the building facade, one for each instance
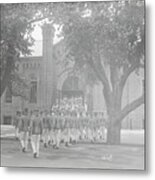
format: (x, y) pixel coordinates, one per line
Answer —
(50, 80)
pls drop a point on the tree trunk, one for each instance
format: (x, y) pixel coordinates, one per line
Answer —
(114, 134)
(113, 109)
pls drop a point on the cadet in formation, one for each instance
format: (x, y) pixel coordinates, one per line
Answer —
(24, 124)
(56, 127)
(36, 128)
(16, 123)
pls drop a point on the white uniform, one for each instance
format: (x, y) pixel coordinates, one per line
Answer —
(36, 131)
(24, 124)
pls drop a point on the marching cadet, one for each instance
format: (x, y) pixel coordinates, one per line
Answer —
(73, 127)
(29, 134)
(16, 123)
(54, 117)
(36, 127)
(87, 125)
(91, 127)
(81, 125)
(52, 128)
(46, 128)
(103, 128)
(67, 129)
(57, 131)
(95, 126)
(71, 122)
(77, 126)
(49, 116)
(84, 119)
(62, 126)
(98, 132)
(24, 125)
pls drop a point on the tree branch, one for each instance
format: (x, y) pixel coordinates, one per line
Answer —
(99, 69)
(128, 71)
(126, 74)
(38, 19)
(130, 107)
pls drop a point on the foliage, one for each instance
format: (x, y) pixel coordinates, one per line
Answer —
(108, 38)
(17, 23)
(113, 31)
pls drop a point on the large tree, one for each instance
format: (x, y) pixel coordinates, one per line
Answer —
(17, 23)
(108, 39)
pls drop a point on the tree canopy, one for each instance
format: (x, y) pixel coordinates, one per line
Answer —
(17, 24)
(108, 39)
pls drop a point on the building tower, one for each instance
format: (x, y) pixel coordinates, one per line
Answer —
(47, 78)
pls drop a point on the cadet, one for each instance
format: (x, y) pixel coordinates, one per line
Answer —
(90, 128)
(16, 123)
(73, 127)
(84, 119)
(77, 126)
(71, 123)
(46, 128)
(93, 127)
(58, 131)
(24, 124)
(98, 127)
(36, 127)
(62, 126)
(81, 125)
(103, 129)
(52, 128)
(67, 129)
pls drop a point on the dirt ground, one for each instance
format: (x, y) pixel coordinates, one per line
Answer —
(83, 155)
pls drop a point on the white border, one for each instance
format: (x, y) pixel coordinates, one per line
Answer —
(40, 174)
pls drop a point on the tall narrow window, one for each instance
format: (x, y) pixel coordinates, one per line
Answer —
(33, 93)
(8, 95)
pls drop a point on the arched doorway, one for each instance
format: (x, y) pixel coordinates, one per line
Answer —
(70, 88)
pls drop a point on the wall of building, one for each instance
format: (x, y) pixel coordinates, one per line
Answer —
(9, 109)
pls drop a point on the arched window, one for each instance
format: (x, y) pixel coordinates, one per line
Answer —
(33, 92)
(71, 88)
(71, 84)
(8, 95)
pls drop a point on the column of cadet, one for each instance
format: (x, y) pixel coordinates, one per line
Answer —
(65, 124)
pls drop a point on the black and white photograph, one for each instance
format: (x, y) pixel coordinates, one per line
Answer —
(72, 85)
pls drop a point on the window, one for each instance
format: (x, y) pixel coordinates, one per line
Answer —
(7, 120)
(8, 95)
(33, 92)
(24, 65)
(71, 83)
(17, 67)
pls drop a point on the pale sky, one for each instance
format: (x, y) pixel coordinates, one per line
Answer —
(37, 35)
